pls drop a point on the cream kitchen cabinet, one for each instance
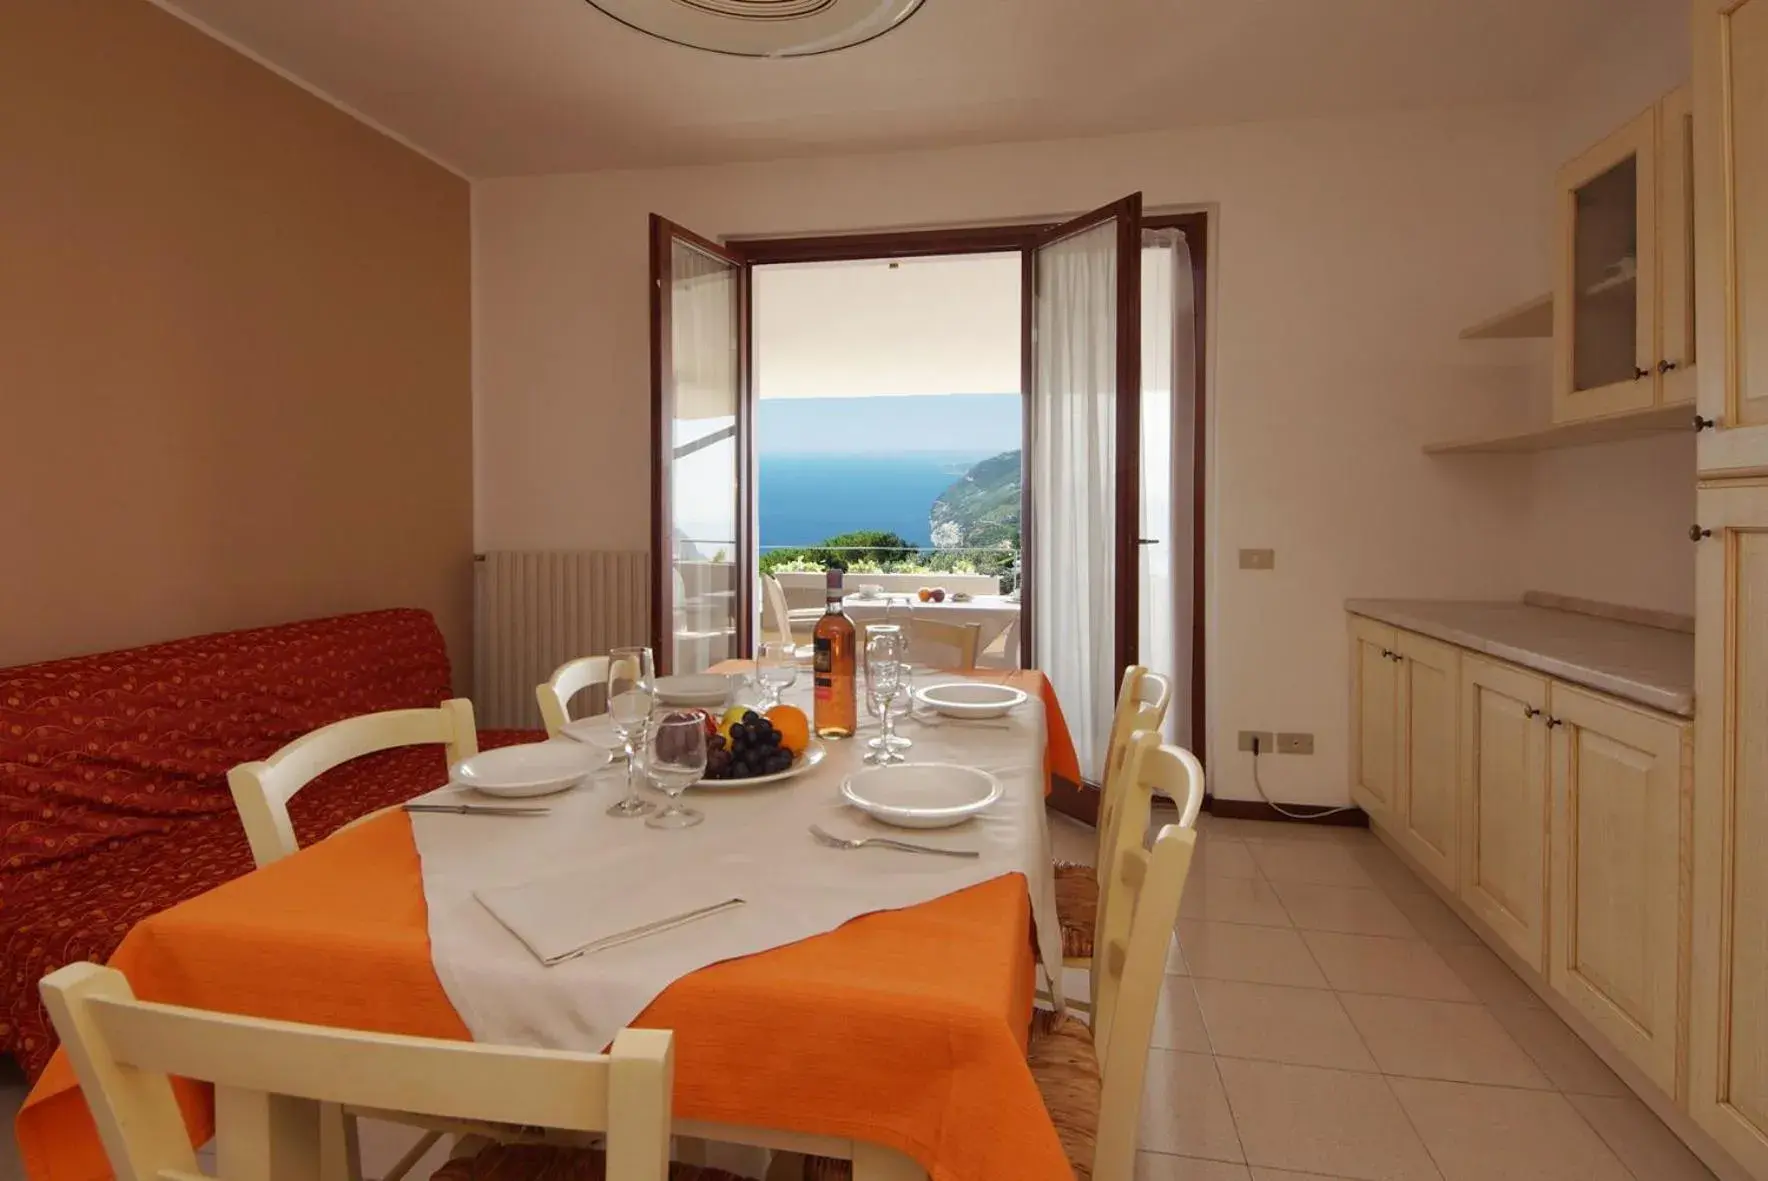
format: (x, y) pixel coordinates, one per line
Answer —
(1428, 823)
(1731, 245)
(1623, 299)
(1503, 786)
(1375, 719)
(1728, 1029)
(1622, 779)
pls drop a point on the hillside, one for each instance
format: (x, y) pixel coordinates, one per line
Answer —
(982, 509)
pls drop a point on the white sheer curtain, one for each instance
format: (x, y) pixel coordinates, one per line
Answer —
(1073, 466)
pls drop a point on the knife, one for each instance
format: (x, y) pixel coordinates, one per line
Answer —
(479, 809)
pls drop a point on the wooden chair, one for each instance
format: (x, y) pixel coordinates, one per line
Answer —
(936, 644)
(274, 1080)
(1003, 650)
(779, 618)
(568, 680)
(1142, 701)
(262, 790)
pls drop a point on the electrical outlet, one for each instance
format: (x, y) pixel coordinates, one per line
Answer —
(1267, 742)
(1258, 559)
(1295, 744)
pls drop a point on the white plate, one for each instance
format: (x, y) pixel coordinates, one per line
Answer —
(969, 699)
(533, 769)
(921, 795)
(813, 754)
(702, 689)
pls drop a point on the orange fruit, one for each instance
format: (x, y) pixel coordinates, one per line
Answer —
(793, 726)
(925, 594)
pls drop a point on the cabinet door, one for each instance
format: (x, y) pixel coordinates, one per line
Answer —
(1619, 899)
(1728, 1054)
(1504, 802)
(1605, 286)
(1430, 717)
(1676, 353)
(1731, 230)
(1374, 718)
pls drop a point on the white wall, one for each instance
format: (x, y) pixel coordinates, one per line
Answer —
(1348, 253)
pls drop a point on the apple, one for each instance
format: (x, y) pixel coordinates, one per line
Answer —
(939, 594)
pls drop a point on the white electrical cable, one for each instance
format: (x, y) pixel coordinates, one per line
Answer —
(1278, 808)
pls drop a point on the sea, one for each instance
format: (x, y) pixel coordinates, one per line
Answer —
(804, 499)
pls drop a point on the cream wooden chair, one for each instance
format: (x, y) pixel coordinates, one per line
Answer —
(274, 1080)
(936, 644)
(262, 790)
(568, 680)
(778, 623)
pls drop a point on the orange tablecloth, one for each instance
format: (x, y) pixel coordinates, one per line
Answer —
(904, 1028)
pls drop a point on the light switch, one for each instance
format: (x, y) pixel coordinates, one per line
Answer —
(1258, 559)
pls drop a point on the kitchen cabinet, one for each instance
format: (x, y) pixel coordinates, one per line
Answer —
(1730, 120)
(1374, 718)
(1728, 1027)
(1503, 788)
(1621, 782)
(1429, 721)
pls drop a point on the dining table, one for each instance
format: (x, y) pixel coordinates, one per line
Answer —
(896, 1039)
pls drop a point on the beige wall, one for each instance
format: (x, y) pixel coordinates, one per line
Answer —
(1349, 253)
(234, 346)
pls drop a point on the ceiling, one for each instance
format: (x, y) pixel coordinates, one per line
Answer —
(510, 87)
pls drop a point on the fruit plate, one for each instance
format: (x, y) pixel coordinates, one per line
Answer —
(970, 699)
(532, 769)
(921, 795)
(813, 754)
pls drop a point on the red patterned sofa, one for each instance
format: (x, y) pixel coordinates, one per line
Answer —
(113, 777)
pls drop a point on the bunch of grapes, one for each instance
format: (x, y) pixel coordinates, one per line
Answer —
(754, 749)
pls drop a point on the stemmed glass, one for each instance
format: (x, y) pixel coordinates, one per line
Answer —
(630, 697)
(676, 760)
(895, 741)
(776, 668)
(884, 674)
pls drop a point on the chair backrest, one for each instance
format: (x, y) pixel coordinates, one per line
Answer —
(1130, 954)
(272, 1076)
(262, 790)
(1142, 698)
(568, 680)
(1004, 648)
(934, 643)
(779, 613)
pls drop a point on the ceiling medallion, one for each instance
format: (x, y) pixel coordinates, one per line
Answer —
(762, 28)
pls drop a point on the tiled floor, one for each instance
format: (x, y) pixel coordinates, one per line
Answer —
(1327, 1017)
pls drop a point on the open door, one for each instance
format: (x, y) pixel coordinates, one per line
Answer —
(701, 513)
(1082, 485)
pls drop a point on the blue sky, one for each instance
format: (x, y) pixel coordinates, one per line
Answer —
(972, 424)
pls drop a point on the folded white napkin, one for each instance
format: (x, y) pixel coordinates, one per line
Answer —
(560, 918)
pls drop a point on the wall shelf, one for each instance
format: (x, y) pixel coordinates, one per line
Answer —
(1657, 421)
(1526, 321)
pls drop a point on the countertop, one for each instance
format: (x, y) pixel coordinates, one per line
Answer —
(1651, 666)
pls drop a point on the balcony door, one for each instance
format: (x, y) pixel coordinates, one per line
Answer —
(701, 502)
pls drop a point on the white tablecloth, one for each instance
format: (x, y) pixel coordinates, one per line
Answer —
(754, 844)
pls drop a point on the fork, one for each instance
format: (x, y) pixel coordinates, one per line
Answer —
(833, 841)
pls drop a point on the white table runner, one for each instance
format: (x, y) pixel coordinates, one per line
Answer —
(755, 844)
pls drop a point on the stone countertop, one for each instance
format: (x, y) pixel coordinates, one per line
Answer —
(1651, 666)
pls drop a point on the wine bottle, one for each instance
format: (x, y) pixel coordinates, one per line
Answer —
(836, 715)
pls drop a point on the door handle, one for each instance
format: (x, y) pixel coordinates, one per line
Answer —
(1147, 541)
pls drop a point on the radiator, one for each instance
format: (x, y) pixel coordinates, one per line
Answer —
(534, 610)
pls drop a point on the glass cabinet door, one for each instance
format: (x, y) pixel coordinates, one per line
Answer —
(1605, 303)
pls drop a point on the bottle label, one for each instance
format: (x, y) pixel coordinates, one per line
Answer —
(824, 665)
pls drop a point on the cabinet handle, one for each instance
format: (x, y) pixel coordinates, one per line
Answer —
(1395, 657)
(1696, 533)
(1529, 711)
(1666, 366)
(1640, 374)
(1703, 424)
(1554, 722)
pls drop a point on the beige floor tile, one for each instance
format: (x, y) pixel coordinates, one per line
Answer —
(1441, 1040)
(1223, 857)
(1184, 1110)
(1260, 955)
(1648, 1148)
(1070, 840)
(1305, 1118)
(1500, 1134)
(1386, 967)
(1387, 871)
(1178, 1023)
(382, 1145)
(1303, 1026)
(1175, 959)
(1318, 863)
(1489, 977)
(1233, 900)
(1560, 1053)
(1432, 918)
(1286, 1175)
(1339, 908)
(1158, 1166)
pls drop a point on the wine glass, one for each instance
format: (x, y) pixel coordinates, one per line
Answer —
(630, 698)
(676, 759)
(884, 672)
(776, 668)
(873, 707)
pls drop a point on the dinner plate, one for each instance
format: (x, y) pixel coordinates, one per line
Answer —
(921, 795)
(813, 754)
(702, 689)
(969, 699)
(532, 769)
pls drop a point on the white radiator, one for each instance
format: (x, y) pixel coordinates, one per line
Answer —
(534, 610)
